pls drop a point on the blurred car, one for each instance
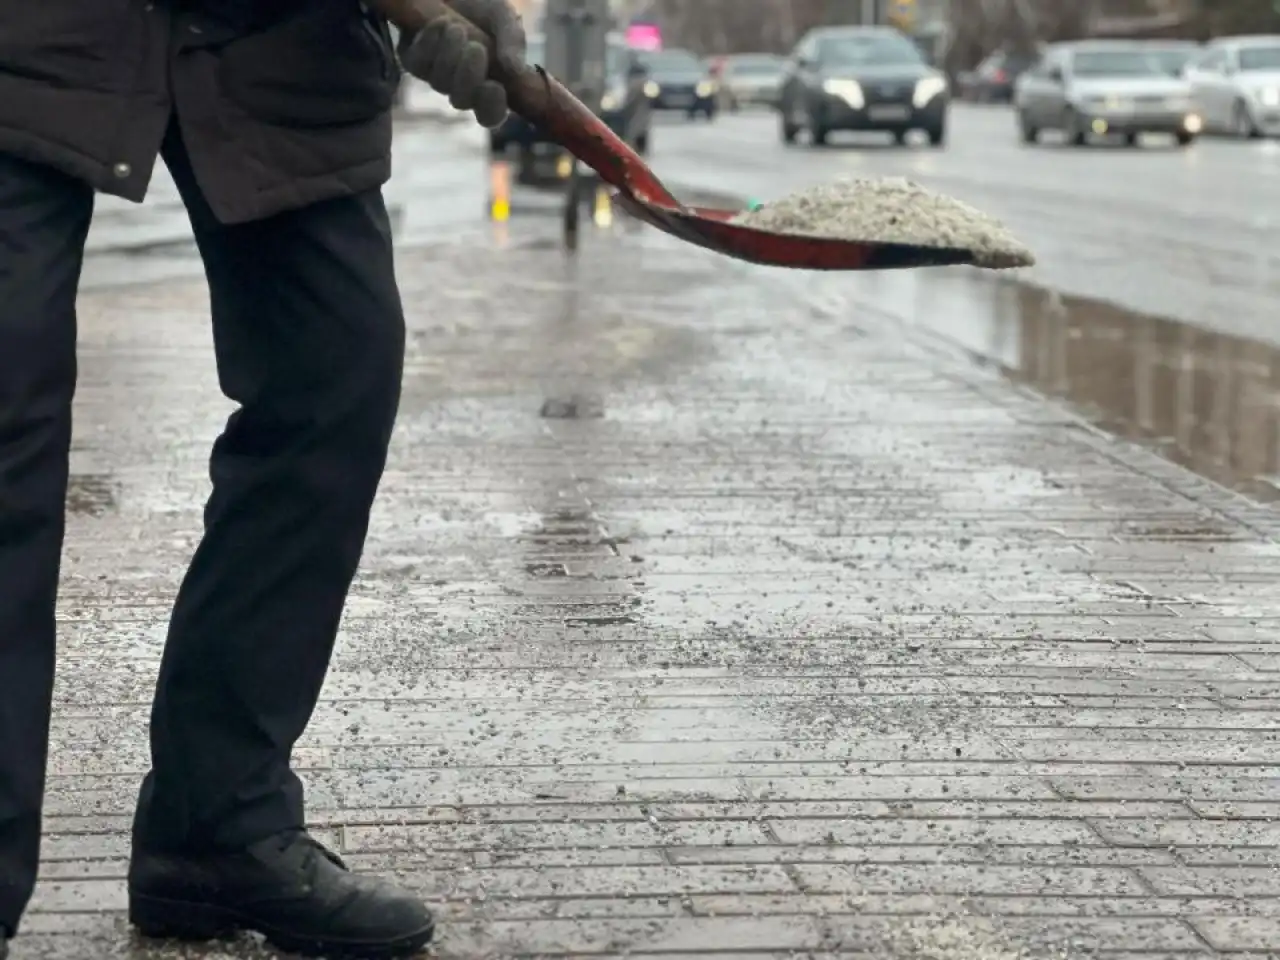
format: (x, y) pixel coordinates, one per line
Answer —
(1236, 85)
(1102, 87)
(751, 79)
(624, 107)
(861, 78)
(993, 79)
(679, 80)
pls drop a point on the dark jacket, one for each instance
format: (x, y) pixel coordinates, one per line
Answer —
(281, 102)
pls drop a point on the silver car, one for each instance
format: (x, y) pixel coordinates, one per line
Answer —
(1236, 85)
(752, 78)
(1105, 87)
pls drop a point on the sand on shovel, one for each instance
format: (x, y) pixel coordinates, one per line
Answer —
(891, 210)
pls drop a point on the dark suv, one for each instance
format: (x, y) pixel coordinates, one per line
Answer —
(680, 80)
(861, 78)
(624, 107)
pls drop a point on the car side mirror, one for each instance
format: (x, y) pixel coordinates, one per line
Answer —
(637, 71)
(804, 63)
(1055, 74)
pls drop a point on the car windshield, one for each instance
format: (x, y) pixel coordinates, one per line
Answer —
(1260, 58)
(1173, 59)
(763, 66)
(1116, 63)
(672, 61)
(536, 53)
(867, 51)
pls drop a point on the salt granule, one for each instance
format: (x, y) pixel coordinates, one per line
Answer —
(891, 210)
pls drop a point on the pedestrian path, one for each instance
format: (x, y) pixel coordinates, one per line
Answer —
(703, 617)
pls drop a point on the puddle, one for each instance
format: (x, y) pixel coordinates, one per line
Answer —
(1208, 401)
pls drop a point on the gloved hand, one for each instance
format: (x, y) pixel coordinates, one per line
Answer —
(441, 54)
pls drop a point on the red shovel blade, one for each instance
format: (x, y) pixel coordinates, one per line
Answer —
(711, 228)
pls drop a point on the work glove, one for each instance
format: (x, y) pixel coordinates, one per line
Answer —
(442, 55)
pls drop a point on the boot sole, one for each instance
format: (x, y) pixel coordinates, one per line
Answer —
(160, 919)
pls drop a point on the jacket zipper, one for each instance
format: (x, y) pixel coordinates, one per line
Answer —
(373, 25)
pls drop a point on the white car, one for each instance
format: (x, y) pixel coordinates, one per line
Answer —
(1236, 85)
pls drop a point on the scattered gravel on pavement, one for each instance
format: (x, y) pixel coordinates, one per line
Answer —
(891, 210)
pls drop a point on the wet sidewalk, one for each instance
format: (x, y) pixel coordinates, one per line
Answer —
(703, 616)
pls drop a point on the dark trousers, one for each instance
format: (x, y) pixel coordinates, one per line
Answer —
(309, 339)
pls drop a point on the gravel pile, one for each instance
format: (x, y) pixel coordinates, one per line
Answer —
(892, 210)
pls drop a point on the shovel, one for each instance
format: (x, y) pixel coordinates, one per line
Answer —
(544, 102)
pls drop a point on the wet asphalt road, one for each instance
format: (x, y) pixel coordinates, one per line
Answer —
(1186, 234)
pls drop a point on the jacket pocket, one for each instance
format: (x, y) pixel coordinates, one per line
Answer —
(69, 43)
(328, 65)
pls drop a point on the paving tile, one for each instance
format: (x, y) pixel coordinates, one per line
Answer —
(813, 645)
(1228, 933)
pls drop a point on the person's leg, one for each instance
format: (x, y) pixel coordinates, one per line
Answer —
(44, 217)
(309, 336)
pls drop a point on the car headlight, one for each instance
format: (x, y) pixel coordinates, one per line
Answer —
(850, 91)
(1268, 96)
(651, 89)
(926, 89)
(612, 100)
(706, 88)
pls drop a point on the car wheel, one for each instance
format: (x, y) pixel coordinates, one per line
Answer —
(525, 172)
(938, 135)
(788, 129)
(1185, 139)
(1130, 139)
(642, 143)
(819, 132)
(900, 138)
(1242, 123)
(1074, 130)
(1029, 133)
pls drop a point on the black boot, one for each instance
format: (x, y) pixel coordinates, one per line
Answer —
(288, 888)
